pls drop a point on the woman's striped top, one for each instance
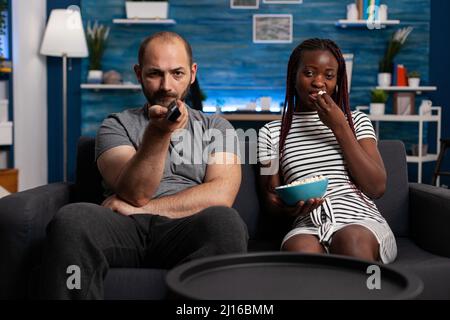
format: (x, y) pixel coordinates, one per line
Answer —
(311, 147)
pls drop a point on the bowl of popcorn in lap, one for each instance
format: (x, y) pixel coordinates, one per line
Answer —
(303, 189)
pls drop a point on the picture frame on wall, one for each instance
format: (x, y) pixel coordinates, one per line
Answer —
(244, 4)
(283, 1)
(272, 28)
(404, 103)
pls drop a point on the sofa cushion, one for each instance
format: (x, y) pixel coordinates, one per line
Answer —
(432, 269)
(88, 181)
(394, 204)
(246, 202)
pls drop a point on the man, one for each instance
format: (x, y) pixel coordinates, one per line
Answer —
(161, 210)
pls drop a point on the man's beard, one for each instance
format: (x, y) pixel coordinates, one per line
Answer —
(162, 97)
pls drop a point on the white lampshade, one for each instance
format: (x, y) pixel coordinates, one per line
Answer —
(64, 35)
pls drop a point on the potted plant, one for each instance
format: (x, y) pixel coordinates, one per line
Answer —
(386, 63)
(378, 100)
(414, 79)
(147, 9)
(96, 36)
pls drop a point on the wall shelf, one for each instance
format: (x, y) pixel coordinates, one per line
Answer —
(92, 86)
(343, 23)
(418, 90)
(144, 21)
(404, 118)
(6, 133)
(426, 158)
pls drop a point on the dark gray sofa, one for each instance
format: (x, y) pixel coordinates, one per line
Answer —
(418, 214)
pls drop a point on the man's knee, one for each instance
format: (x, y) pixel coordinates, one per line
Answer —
(225, 219)
(224, 228)
(73, 220)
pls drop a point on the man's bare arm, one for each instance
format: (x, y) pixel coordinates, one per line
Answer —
(221, 185)
(135, 175)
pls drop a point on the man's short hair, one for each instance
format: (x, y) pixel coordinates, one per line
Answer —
(165, 35)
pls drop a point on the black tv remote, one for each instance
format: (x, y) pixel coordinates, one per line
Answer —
(173, 112)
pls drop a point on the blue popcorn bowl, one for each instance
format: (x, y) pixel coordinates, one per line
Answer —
(302, 192)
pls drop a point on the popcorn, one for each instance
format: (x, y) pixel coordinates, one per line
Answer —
(303, 181)
(321, 92)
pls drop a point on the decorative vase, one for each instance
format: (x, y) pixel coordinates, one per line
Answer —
(414, 82)
(147, 10)
(425, 107)
(377, 109)
(112, 77)
(384, 79)
(95, 76)
(265, 102)
(382, 12)
(415, 150)
(352, 12)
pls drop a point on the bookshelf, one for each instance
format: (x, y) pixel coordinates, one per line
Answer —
(420, 159)
(418, 90)
(100, 86)
(6, 92)
(375, 24)
(370, 14)
(6, 133)
(143, 21)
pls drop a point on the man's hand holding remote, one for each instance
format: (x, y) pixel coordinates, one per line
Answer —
(159, 115)
(173, 112)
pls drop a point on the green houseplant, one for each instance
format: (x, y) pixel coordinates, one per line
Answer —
(147, 9)
(378, 100)
(414, 74)
(96, 36)
(385, 65)
(414, 79)
(378, 96)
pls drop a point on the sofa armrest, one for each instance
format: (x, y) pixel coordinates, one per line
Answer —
(430, 217)
(24, 217)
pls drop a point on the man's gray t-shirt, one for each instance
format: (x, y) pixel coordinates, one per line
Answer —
(189, 149)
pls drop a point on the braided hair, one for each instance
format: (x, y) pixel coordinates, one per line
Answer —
(340, 97)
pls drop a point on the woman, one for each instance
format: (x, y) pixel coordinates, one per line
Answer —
(319, 135)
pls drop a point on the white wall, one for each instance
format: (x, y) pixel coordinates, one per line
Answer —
(30, 92)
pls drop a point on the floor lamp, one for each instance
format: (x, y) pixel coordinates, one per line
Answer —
(64, 37)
